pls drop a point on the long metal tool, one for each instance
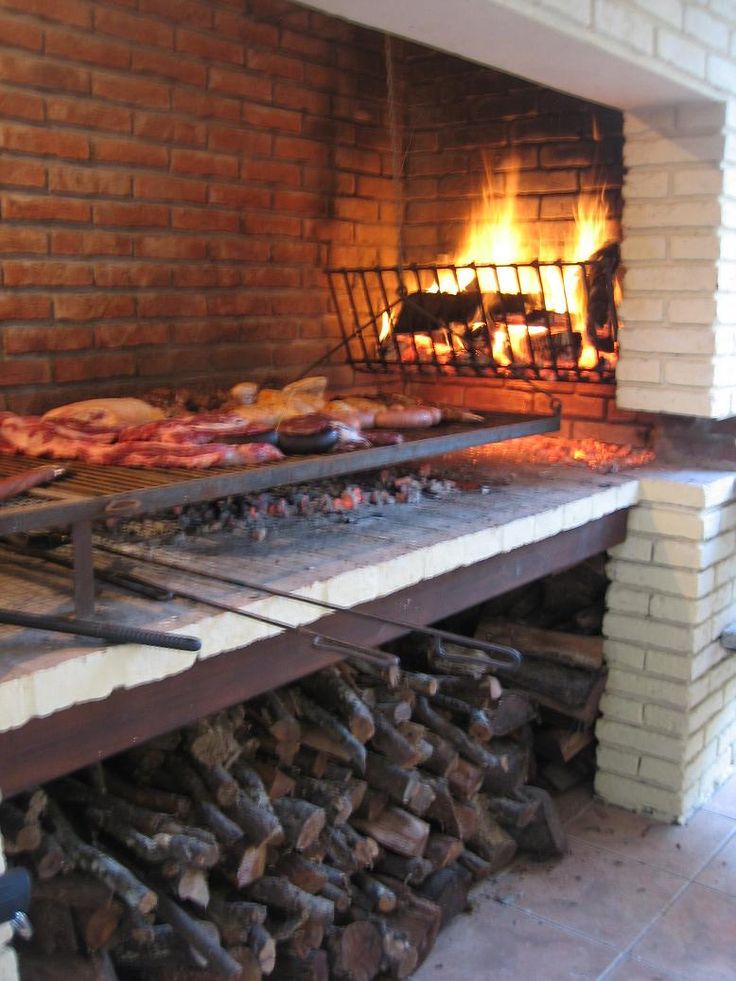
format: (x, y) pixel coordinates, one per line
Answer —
(119, 633)
(512, 655)
(372, 655)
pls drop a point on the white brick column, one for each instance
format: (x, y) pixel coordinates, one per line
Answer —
(668, 731)
(678, 339)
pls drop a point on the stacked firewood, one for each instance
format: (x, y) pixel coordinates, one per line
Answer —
(325, 830)
(556, 622)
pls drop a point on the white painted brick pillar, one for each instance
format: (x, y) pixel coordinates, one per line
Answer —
(678, 339)
(668, 729)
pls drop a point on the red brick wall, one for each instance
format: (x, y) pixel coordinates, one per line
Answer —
(463, 121)
(174, 175)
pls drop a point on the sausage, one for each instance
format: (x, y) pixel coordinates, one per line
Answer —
(19, 483)
(405, 418)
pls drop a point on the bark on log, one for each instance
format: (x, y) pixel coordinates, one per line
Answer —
(544, 837)
(218, 961)
(395, 747)
(379, 897)
(302, 822)
(355, 951)
(448, 888)
(103, 867)
(329, 688)
(574, 650)
(412, 870)
(285, 896)
(398, 782)
(495, 845)
(315, 967)
(235, 919)
(443, 850)
(397, 830)
(334, 729)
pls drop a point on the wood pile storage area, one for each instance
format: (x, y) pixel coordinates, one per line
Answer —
(327, 829)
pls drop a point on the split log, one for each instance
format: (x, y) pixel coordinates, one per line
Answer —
(307, 875)
(235, 919)
(251, 783)
(544, 836)
(480, 692)
(334, 729)
(399, 956)
(397, 830)
(242, 867)
(467, 816)
(422, 798)
(277, 783)
(314, 967)
(395, 712)
(255, 816)
(288, 898)
(196, 934)
(302, 822)
(511, 812)
(419, 918)
(211, 741)
(398, 782)
(355, 951)
(410, 870)
(574, 650)
(567, 686)
(330, 796)
(339, 898)
(561, 744)
(227, 832)
(478, 867)
(329, 688)
(443, 808)
(192, 886)
(395, 747)
(424, 684)
(444, 756)
(373, 804)
(103, 867)
(308, 937)
(442, 850)
(448, 888)
(263, 946)
(513, 711)
(479, 724)
(379, 897)
(416, 735)
(465, 780)
(490, 841)
(280, 722)
(149, 797)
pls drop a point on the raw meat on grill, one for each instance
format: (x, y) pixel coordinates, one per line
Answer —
(177, 455)
(202, 428)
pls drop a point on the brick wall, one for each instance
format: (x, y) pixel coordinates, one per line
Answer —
(174, 174)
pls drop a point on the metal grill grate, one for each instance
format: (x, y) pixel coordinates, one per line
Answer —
(549, 321)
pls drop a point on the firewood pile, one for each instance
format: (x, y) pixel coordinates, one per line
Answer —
(556, 623)
(329, 829)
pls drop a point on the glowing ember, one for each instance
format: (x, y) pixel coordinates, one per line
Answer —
(549, 450)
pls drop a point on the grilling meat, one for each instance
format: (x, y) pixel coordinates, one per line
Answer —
(189, 444)
(206, 427)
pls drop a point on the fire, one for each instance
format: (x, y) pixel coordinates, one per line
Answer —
(497, 236)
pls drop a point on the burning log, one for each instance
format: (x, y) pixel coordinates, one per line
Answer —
(422, 313)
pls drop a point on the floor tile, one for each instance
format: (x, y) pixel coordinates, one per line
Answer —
(505, 944)
(573, 801)
(607, 897)
(682, 850)
(634, 970)
(724, 799)
(720, 872)
(696, 936)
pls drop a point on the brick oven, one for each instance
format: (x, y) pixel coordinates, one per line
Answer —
(177, 177)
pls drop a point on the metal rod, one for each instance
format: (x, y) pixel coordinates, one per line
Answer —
(319, 639)
(117, 632)
(486, 647)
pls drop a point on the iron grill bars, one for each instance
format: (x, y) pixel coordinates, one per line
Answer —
(422, 319)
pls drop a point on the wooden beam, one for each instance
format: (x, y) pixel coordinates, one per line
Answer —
(65, 741)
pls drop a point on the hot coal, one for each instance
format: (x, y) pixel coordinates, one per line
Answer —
(421, 313)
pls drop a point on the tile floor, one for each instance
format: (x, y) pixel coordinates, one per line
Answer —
(633, 900)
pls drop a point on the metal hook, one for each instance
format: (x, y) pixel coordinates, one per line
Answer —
(483, 661)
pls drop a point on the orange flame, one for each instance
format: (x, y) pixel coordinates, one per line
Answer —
(497, 235)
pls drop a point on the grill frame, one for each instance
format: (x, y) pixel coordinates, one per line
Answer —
(91, 493)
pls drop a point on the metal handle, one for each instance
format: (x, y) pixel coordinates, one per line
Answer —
(484, 661)
(380, 658)
(117, 632)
